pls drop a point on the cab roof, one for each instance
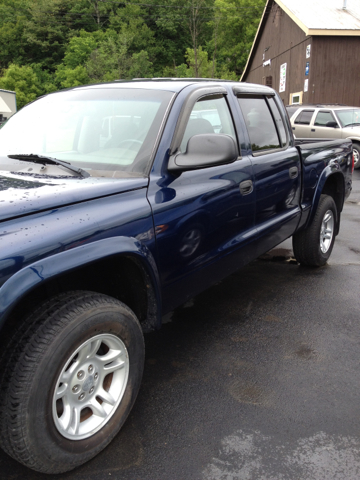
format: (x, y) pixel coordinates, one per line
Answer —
(177, 84)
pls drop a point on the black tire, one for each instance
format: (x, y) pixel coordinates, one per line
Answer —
(307, 243)
(32, 364)
(356, 149)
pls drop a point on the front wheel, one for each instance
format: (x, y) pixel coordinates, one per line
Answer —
(72, 374)
(356, 152)
(313, 246)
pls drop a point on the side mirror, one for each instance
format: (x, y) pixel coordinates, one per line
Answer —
(205, 150)
(332, 124)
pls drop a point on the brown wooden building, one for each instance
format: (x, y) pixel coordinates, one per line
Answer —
(309, 51)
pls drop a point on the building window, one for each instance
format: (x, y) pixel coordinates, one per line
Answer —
(268, 82)
(296, 98)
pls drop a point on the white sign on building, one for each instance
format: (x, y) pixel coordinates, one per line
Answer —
(282, 78)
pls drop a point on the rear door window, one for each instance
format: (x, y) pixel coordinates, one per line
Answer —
(260, 124)
(278, 120)
(304, 117)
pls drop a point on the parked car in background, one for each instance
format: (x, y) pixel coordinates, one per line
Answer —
(327, 121)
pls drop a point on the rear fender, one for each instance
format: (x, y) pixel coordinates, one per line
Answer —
(27, 279)
(331, 173)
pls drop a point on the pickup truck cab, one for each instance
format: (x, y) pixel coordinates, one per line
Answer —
(119, 202)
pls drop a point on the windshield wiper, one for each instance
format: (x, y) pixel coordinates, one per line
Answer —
(351, 124)
(34, 158)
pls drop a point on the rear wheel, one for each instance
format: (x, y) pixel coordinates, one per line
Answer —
(71, 376)
(314, 245)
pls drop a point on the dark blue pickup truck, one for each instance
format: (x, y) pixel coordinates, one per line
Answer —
(119, 202)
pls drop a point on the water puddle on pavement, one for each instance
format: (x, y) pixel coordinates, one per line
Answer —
(254, 456)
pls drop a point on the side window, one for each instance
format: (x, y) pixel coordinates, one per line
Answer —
(291, 110)
(304, 117)
(259, 123)
(322, 118)
(278, 120)
(209, 115)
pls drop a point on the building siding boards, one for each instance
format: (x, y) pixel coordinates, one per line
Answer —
(336, 77)
(334, 74)
(287, 45)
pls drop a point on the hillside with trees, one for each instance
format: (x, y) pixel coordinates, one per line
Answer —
(46, 45)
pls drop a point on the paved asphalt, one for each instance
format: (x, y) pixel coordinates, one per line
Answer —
(256, 379)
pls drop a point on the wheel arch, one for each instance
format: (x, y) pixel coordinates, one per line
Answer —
(120, 267)
(354, 139)
(333, 184)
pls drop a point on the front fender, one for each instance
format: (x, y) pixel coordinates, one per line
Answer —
(353, 138)
(25, 280)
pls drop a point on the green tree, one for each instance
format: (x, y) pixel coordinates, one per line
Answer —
(128, 22)
(205, 68)
(71, 77)
(113, 59)
(169, 24)
(24, 81)
(13, 16)
(46, 32)
(80, 47)
(234, 27)
(71, 42)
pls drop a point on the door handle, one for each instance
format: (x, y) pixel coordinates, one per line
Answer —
(293, 172)
(246, 187)
(313, 129)
(293, 128)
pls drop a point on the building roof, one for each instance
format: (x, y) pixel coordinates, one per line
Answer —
(315, 17)
(324, 17)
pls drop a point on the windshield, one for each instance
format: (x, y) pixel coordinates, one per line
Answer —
(105, 129)
(348, 117)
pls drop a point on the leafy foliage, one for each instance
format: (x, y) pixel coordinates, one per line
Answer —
(24, 81)
(50, 44)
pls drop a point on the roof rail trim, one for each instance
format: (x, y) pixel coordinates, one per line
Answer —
(248, 89)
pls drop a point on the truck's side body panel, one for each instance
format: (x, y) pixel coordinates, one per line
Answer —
(202, 220)
(60, 240)
(190, 229)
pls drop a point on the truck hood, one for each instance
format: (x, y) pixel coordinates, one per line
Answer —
(22, 194)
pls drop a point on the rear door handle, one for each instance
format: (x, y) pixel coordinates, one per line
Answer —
(246, 187)
(293, 172)
(313, 129)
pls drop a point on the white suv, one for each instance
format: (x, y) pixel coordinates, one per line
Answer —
(327, 121)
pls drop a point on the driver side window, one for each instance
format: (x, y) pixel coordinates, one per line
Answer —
(209, 115)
